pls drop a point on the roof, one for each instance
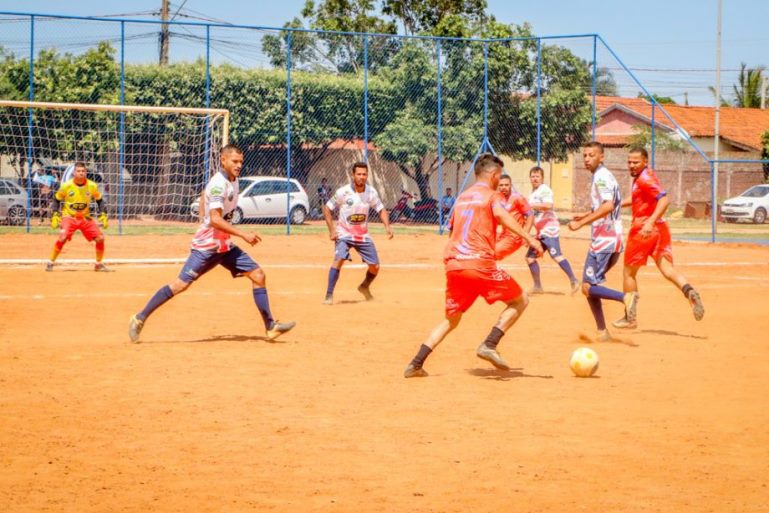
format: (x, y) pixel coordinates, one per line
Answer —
(743, 127)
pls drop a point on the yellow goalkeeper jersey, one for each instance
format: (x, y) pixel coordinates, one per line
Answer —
(76, 199)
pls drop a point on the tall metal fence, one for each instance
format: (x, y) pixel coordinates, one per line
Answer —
(305, 105)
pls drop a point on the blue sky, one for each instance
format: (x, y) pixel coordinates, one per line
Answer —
(670, 44)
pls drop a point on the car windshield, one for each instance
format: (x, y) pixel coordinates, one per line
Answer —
(758, 191)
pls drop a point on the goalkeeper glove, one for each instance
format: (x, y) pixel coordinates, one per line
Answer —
(103, 220)
(55, 220)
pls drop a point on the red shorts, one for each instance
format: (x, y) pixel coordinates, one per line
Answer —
(464, 286)
(657, 245)
(506, 246)
(89, 228)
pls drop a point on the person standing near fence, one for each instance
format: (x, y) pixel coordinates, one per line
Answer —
(548, 228)
(649, 236)
(517, 206)
(212, 246)
(353, 202)
(605, 238)
(71, 211)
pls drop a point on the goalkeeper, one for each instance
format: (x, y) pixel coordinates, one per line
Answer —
(71, 211)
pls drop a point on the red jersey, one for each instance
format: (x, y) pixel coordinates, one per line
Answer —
(647, 190)
(519, 208)
(473, 230)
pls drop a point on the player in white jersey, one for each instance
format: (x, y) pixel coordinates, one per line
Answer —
(212, 246)
(548, 231)
(353, 202)
(605, 236)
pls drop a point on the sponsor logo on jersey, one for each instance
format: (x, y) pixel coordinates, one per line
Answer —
(349, 202)
(216, 191)
(356, 218)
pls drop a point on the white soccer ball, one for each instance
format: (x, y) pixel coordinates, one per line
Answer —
(584, 362)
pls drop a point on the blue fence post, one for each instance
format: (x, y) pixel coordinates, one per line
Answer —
(440, 135)
(595, 79)
(713, 207)
(539, 100)
(121, 148)
(288, 132)
(31, 118)
(365, 98)
(207, 149)
(485, 93)
(653, 142)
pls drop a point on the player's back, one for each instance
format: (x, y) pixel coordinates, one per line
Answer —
(474, 228)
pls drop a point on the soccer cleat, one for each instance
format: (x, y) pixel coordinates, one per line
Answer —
(631, 305)
(414, 372)
(366, 292)
(534, 291)
(49, 266)
(99, 267)
(279, 328)
(329, 300)
(484, 352)
(574, 287)
(134, 328)
(697, 307)
(624, 324)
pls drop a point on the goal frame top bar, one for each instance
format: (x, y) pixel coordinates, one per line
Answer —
(113, 108)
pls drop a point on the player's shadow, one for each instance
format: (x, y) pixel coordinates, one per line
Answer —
(674, 334)
(586, 339)
(549, 293)
(503, 375)
(351, 301)
(221, 338)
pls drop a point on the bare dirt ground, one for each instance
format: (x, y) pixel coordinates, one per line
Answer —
(205, 415)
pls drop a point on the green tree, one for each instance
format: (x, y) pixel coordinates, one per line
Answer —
(662, 100)
(642, 137)
(747, 90)
(765, 154)
(434, 16)
(605, 83)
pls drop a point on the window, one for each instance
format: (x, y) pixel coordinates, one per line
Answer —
(261, 188)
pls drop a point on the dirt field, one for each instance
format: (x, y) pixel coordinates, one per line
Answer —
(207, 416)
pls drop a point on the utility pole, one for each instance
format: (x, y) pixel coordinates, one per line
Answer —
(164, 33)
(686, 98)
(716, 142)
(763, 90)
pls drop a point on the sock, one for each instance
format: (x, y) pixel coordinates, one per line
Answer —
(99, 251)
(601, 292)
(564, 264)
(57, 247)
(263, 304)
(494, 337)
(534, 268)
(421, 356)
(160, 297)
(333, 277)
(368, 279)
(685, 289)
(597, 309)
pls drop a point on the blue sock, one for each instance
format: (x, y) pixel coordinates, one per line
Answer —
(263, 304)
(534, 268)
(599, 291)
(597, 309)
(160, 297)
(567, 269)
(333, 277)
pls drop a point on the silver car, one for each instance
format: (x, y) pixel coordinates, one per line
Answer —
(13, 203)
(264, 197)
(752, 205)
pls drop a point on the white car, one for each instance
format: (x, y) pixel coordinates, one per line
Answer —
(752, 204)
(13, 203)
(264, 197)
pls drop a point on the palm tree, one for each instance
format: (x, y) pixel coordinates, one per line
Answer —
(747, 92)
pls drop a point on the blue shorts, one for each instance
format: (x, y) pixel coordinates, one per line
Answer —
(597, 265)
(551, 245)
(199, 263)
(365, 249)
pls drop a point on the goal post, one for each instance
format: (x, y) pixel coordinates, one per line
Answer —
(148, 161)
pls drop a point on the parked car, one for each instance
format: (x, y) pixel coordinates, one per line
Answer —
(264, 197)
(13, 202)
(752, 204)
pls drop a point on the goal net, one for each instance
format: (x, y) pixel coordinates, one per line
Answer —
(149, 162)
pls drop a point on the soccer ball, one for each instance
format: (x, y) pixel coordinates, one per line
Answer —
(584, 362)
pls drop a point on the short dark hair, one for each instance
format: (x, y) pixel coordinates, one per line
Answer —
(537, 169)
(229, 148)
(595, 144)
(358, 164)
(639, 149)
(486, 162)
(80, 163)
(505, 176)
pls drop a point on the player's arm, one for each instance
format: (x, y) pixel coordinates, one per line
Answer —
(506, 220)
(542, 207)
(58, 197)
(529, 221)
(662, 205)
(602, 211)
(219, 223)
(627, 202)
(329, 217)
(202, 206)
(385, 217)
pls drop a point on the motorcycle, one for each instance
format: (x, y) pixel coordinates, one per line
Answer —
(424, 210)
(401, 208)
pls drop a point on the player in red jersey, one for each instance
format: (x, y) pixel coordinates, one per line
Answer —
(471, 265)
(649, 236)
(507, 242)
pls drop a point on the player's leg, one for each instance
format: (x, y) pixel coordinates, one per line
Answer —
(91, 232)
(500, 286)
(630, 298)
(68, 227)
(554, 250)
(596, 267)
(692, 296)
(368, 253)
(436, 336)
(341, 254)
(531, 260)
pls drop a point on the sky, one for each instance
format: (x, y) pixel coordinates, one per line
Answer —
(670, 45)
